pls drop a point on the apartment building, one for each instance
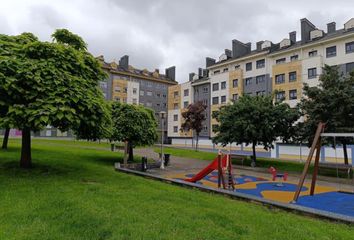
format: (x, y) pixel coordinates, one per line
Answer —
(135, 86)
(281, 68)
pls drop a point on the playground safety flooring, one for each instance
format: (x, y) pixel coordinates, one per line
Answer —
(255, 182)
(326, 198)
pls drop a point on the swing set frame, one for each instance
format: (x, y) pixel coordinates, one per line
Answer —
(316, 146)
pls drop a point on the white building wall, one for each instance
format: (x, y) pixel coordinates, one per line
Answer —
(133, 92)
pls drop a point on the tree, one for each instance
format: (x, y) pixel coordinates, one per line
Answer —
(255, 120)
(133, 124)
(331, 102)
(48, 83)
(193, 119)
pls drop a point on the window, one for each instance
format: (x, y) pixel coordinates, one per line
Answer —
(215, 100)
(294, 58)
(260, 93)
(205, 89)
(135, 101)
(185, 104)
(175, 129)
(280, 96)
(260, 63)
(186, 92)
(116, 99)
(349, 67)
(164, 95)
(175, 106)
(331, 51)
(215, 86)
(234, 97)
(175, 94)
(280, 78)
(313, 53)
(248, 66)
(237, 67)
(135, 90)
(175, 117)
(157, 104)
(217, 72)
(125, 89)
(117, 89)
(260, 79)
(349, 47)
(149, 93)
(312, 73)
(292, 76)
(205, 128)
(223, 85)
(148, 104)
(223, 99)
(235, 83)
(248, 81)
(164, 104)
(293, 94)
(280, 60)
(225, 70)
(205, 102)
(158, 95)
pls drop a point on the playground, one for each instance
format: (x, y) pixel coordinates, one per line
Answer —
(332, 195)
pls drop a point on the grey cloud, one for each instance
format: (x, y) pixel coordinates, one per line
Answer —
(160, 33)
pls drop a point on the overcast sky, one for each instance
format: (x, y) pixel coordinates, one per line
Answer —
(162, 33)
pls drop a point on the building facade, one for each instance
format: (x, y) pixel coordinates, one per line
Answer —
(135, 86)
(281, 68)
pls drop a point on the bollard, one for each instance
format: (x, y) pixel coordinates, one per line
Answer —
(143, 164)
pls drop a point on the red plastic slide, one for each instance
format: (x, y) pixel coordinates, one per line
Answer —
(208, 169)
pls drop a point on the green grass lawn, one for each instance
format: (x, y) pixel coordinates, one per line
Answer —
(73, 192)
(282, 165)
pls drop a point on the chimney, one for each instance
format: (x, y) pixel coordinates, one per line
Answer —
(259, 45)
(228, 53)
(191, 76)
(171, 73)
(331, 27)
(205, 72)
(200, 72)
(292, 37)
(306, 28)
(209, 62)
(240, 49)
(124, 62)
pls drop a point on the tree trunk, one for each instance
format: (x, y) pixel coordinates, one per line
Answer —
(345, 152)
(253, 162)
(6, 138)
(196, 144)
(26, 159)
(130, 149)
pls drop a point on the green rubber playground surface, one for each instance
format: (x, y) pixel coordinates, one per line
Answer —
(73, 193)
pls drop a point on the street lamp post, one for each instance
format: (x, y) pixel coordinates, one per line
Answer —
(162, 116)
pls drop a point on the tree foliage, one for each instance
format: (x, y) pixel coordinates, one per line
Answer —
(193, 119)
(256, 121)
(134, 124)
(331, 102)
(44, 83)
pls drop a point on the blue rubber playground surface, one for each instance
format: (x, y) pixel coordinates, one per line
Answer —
(337, 202)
